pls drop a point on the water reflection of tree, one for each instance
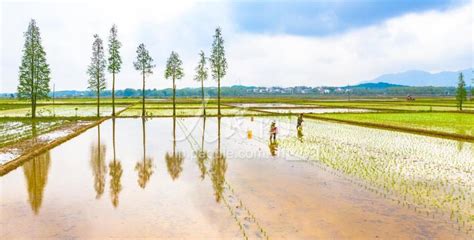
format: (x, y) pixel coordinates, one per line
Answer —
(174, 160)
(218, 166)
(144, 167)
(459, 143)
(115, 167)
(36, 174)
(99, 169)
(201, 154)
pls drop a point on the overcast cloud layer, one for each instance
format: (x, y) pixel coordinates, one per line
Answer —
(432, 40)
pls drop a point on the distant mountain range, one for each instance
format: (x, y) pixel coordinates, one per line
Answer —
(378, 85)
(418, 78)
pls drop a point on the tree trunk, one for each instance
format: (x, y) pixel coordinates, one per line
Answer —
(143, 95)
(98, 96)
(33, 99)
(33, 109)
(174, 97)
(218, 95)
(202, 94)
(113, 94)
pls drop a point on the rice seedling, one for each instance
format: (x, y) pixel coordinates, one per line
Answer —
(15, 130)
(420, 172)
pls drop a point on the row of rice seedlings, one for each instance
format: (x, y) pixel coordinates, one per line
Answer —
(241, 214)
(61, 110)
(13, 131)
(424, 172)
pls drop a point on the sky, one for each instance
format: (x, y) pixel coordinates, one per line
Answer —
(267, 43)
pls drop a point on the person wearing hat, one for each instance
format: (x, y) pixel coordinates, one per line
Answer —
(273, 131)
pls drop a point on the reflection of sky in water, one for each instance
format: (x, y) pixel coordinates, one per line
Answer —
(63, 190)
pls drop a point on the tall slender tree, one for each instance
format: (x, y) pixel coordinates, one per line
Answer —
(115, 61)
(96, 69)
(34, 73)
(218, 64)
(201, 76)
(174, 70)
(145, 65)
(461, 93)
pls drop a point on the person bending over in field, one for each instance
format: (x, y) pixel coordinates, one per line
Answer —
(273, 131)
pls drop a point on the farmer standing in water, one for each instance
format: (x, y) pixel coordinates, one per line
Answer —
(273, 131)
(273, 143)
(299, 123)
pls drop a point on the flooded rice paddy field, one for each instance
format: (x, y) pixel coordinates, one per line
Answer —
(266, 105)
(137, 112)
(216, 178)
(14, 130)
(318, 110)
(62, 111)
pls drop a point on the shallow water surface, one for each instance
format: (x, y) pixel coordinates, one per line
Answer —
(319, 110)
(193, 178)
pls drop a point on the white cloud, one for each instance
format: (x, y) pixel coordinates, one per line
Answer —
(67, 30)
(433, 41)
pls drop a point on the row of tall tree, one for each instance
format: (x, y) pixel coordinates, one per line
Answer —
(34, 71)
(35, 76)
(145, 64)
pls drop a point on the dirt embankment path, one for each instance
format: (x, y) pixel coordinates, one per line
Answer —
(16, 154)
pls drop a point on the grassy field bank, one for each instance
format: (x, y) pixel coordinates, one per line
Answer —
(424, 114)
(455, 123)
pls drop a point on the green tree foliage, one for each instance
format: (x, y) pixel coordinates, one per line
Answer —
(115, 61)
(201, 75)
(461, 93)
(34, 73)
(218, 63)
(96, 70)
(145, 65)
(174, 70)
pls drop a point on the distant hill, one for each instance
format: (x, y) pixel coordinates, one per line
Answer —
(379, 85)
(418, 78)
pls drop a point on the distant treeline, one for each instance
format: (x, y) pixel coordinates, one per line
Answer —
(236, 91)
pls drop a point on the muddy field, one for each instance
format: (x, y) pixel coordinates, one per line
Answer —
(201, 178)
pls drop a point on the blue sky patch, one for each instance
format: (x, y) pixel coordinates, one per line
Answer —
(319, 18)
